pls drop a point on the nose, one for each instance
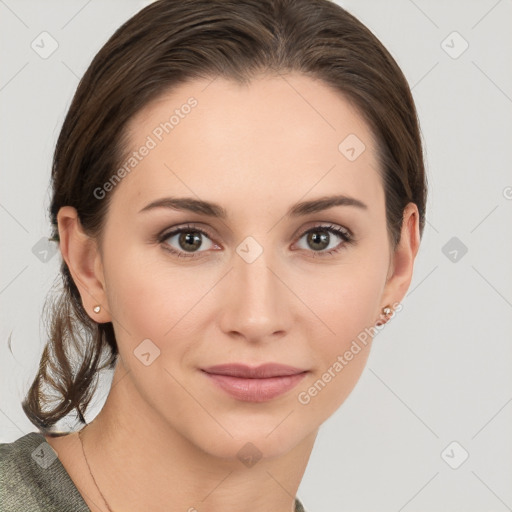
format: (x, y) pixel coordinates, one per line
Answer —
(256, 301)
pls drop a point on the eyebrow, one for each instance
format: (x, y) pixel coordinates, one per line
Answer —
(215, 210)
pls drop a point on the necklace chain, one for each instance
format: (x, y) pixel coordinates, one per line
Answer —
(90, 472)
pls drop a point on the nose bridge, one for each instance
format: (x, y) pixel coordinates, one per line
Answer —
(255, 303)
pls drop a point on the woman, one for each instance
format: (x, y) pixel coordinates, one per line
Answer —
(239, 195)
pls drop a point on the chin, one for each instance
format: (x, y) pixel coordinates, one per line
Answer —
(252, 440)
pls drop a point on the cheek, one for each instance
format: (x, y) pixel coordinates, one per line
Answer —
(345, 298)
(144, 303)
(348, 315)
(150, 298)
(321, 395)
(147, 303)
(345, 304)
(340, 354)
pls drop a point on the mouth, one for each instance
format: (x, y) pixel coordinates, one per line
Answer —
(255, 384)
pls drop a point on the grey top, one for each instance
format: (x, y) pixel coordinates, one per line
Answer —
(32, 479)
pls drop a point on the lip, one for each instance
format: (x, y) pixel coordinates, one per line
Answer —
(253, 372)
(255, 384)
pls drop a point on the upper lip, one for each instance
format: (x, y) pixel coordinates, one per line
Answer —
(253, 372)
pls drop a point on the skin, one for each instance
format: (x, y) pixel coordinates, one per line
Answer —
(166, 438)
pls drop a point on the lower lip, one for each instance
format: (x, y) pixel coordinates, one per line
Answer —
(256, 390)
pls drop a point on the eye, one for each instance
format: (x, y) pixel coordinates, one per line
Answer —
(322, 243)
(188, 241)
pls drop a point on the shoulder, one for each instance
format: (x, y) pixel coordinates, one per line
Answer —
(33, 479)
(299, 507)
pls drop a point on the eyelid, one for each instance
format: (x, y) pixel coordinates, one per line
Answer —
(327, 225)
(166, 233)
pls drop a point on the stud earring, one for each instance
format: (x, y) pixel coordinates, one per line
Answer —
(97, 308)
(386, 310)
(384, 316)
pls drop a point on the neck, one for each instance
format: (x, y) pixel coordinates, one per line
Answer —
(140, 462)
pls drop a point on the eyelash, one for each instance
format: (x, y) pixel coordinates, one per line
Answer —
(343, 233)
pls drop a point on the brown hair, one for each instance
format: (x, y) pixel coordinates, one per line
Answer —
(166, 44)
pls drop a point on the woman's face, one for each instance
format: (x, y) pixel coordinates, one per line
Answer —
(252, 286)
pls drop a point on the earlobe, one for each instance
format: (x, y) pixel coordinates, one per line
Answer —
(82, 257)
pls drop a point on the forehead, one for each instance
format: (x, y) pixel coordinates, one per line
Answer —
(276, 137)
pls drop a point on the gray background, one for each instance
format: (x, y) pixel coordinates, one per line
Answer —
(438, 373)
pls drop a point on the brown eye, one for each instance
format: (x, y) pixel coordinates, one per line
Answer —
(326, 239)
(318, 240)
(187, 241)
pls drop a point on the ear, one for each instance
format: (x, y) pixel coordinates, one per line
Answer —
(402, 258)
(81, 254)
